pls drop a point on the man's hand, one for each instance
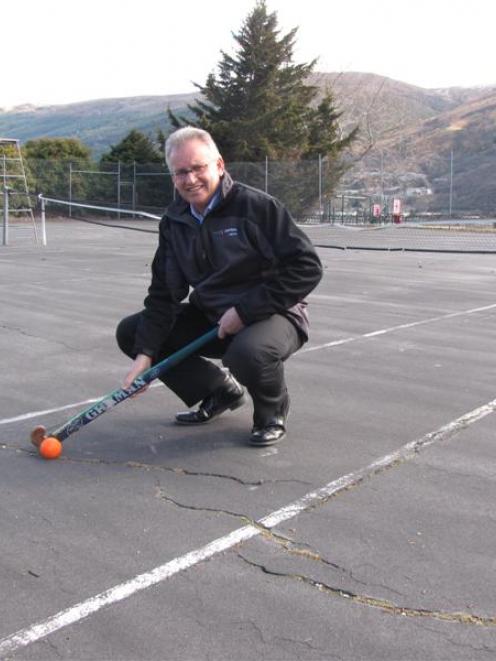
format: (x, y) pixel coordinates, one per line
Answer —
(140, 364)
(230, 323)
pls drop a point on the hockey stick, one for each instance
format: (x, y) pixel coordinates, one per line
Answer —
(121, 394)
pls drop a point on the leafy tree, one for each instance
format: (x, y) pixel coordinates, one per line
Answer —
(56, 149)
(10, 173)
(7, 150)
(47, 164)
(136, 147)
(259, 105)
(137, 155)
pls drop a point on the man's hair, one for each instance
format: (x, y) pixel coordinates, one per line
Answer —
(186, 134)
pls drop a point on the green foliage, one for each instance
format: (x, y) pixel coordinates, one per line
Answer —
(56, 149)
(48, 162)
(11, 175)
(258, 105)
(7, 151)
(136, 154)
(136, 147)
(324, 133)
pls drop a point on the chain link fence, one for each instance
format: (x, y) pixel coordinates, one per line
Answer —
(313, 191)
(304, 187)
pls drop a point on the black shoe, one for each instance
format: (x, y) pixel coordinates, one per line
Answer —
(230, 396)
(273, 432)
(274, 429)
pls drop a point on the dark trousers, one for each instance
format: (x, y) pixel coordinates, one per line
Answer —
(255, 357)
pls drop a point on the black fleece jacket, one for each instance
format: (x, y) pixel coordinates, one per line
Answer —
(247, 253)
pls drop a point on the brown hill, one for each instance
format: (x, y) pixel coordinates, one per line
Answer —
(448, 159)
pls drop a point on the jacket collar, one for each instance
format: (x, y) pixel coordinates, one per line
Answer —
(179, 208)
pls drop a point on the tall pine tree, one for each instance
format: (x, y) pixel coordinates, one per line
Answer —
(259, 105)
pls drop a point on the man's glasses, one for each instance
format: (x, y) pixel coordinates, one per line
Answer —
(182, 173)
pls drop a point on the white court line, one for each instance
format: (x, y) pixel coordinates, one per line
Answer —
(335, 343)
(391, 329)
(36, 414)
(141, 582)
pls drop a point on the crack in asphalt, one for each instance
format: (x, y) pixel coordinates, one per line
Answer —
(306, 552)
(381, 604)
(160, 493)
(405, 453)
(177, 470)
(16, 329)
(290, 545)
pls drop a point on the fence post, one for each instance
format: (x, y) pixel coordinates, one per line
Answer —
(320, 187)
(118, 187)
(451, 186)
(134, 186)
(43, 224)
(70, 189)
(5, 240)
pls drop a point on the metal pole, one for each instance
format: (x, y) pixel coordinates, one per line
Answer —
(43, 224)
(134, 185)
(451, 185)
(383, 202)
(70, 190)
(320, 186)
(119, 187)
(5, 241)
(266, 174)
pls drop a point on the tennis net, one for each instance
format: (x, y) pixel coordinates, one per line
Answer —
(475, 236)
(132, 219)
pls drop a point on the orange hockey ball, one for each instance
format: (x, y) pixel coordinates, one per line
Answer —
(50, 448)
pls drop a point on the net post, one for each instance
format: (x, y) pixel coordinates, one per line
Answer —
(320, 188)
(43, 223)
(70, 189)
(134, 186)
(5, 234)
(119, 187)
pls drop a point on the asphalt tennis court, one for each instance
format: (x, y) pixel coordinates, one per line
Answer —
(370, 533)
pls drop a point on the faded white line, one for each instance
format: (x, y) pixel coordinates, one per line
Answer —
(335, 343)
(319, 347)
(141, 582)
(392, 329)
(37, 414)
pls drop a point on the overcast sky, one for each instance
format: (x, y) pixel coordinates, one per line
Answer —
(62, 51)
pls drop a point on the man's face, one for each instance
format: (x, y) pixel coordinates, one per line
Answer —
(197, 172)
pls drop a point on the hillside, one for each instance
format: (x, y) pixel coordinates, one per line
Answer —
(98, 124)
(376, 103)
(407, 134)
(422, 161)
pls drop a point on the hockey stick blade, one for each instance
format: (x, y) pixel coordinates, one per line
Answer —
(115, 397)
